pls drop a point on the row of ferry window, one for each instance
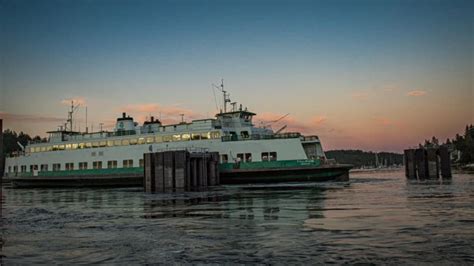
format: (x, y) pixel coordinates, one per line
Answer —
(70, 166)
(247, 157)
(132, 141)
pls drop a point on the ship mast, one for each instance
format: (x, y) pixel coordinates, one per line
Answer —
(226, 96)
(70, 113)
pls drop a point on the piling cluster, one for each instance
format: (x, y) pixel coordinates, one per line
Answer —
(427, 163)
(180, 170)
(2, 158)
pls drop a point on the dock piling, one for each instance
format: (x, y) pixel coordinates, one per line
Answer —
(426, 163)
(445, 162)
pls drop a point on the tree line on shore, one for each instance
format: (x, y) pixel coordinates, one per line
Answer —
(12, 138)
(360, 158)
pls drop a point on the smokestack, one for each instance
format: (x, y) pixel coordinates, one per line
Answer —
(124, 114)
(152, 118)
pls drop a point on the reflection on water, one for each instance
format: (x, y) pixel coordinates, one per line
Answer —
(374, 218)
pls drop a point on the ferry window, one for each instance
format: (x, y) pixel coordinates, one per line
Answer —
(127, 163)
(68, 146)
(224, 158)
(117, 142)
(133, 141)
(158, 139)
(43, 148)
(33, 167)
(56, 166)
(88, 145)
(74, 146)
(95, 144)
(112, 164)
(264, 156)
(103, 143)
(166, 138)
(49, 148)
(195, 136)
(141, 140)
(273, 156)
(101, 153)
(244, 134)
(15, 169)
(69, 166)
(83, 165)
(93, 154)
(216, 135)
(150, 140)
(248, 157)
(81, 146)
(97, 165)
(240, 157)
(205, 135)
(176, 137)
(23, 168)
(44, 167)
(110, 143)
(141, 162)
(186, 136)
(125, 142)
(55, 147)
(38, 149)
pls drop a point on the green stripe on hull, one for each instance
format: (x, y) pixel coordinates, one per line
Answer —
(270, 164)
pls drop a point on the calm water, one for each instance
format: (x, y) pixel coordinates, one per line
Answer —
(375, 218)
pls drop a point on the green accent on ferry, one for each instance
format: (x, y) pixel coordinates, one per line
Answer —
(270, 164)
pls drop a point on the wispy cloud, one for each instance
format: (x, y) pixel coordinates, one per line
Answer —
(416, 93)
(77, 100)
(360, 95)
(30, 118)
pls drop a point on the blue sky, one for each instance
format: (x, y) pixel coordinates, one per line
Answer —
(348, 64)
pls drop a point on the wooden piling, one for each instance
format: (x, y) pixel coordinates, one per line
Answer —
(2, 157)
(159, 173)
(149, 173)
(180, 169)
(445, 162)
(410, 163)
(432, 163)
(168, 170)
(204, 171)
(421, 163)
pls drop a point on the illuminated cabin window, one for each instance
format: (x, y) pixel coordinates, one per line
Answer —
(150, 140)
(43, 148)
(196, 136)
(95, 144)
(61, 147)
(125, 142)
(141, 140)
(133, 141)
(127, 164)
(167, 138)
(55, 147)
(82, 165)
(81, 146)
(74, 146)
(56, 167)
(102, 143)
(49, 148)
(176, 137)
(205, 135)
(216, 135)
(186, 136)
(97, 165)
(88, 145)
(110, 143)
(141, 163)
(112, 164)
(44, 167)
(117, 142)
(68, 146)
(158, 139)
(69, 166)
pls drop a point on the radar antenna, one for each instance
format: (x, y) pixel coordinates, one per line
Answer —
(70, 113)
(224, 93)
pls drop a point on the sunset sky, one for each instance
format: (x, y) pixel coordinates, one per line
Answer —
(372, 75)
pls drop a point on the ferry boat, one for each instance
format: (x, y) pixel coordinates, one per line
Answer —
(248, 153)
